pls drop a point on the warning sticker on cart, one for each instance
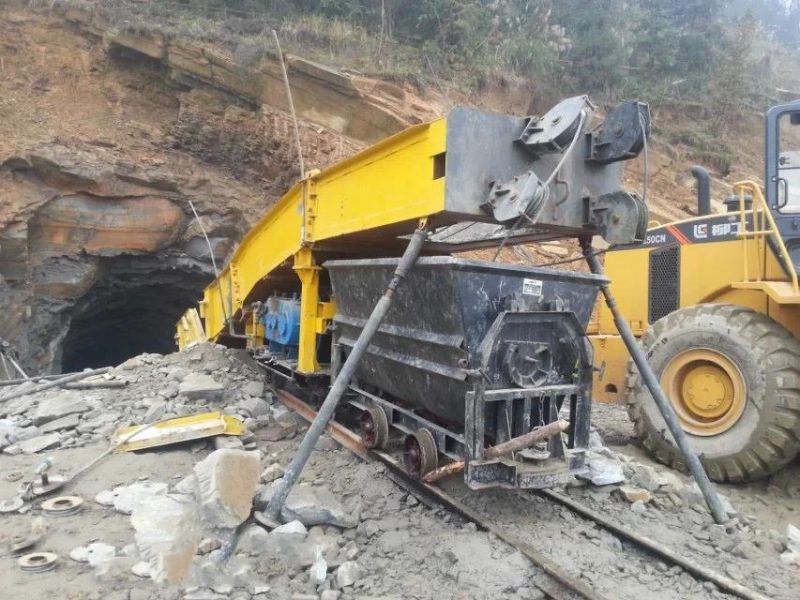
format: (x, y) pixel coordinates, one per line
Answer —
(532, 287)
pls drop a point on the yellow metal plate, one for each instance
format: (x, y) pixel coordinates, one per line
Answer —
(174, 431)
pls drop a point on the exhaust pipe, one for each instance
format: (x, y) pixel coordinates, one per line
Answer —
(703, 190)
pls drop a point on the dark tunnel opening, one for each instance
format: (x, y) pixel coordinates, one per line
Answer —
(132, 308)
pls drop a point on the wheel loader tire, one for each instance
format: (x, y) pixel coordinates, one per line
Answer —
(759, 437)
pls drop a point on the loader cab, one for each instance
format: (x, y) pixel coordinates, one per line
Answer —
(782, 177)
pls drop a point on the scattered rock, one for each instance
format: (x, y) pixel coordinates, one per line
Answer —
(141, 569)
(39, 443)
(50, 409)
(253, 388)
(792, 538)
(226, 484)
(604, 471)
(201, 386)
(347, 574)
(634, 494)
(271, 473)
(646, 477)
(311, 505)
(318, 572)
(291, 527)
(125, 498)
(67, 422)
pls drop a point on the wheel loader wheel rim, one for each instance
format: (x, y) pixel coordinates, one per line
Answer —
(707, 390)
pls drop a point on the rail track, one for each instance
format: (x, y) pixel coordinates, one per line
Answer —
(561, 584)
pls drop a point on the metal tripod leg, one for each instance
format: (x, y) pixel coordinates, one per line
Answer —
(664, 406)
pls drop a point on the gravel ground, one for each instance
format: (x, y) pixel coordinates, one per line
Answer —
(373, 540)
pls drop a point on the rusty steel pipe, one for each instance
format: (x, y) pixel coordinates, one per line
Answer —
(513, 445)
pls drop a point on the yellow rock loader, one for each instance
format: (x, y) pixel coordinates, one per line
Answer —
(715, 303)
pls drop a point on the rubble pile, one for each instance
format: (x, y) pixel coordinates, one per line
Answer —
(144, 389)
(349, 531)
(182, 521)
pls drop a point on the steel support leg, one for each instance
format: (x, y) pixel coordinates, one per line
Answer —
(664, 406)
(340, 384)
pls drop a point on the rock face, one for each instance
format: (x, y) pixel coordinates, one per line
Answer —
(226, 484)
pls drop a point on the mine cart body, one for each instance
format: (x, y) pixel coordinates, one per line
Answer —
(478, 353)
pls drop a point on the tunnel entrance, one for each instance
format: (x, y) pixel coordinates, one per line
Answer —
(131, 308)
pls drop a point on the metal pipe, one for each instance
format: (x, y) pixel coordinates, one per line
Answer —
(513, 445)
(703, 190)
(342, 381)
(51, 384)
(664, 406)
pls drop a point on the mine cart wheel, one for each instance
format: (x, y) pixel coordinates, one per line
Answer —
(732, 377)
(421, 456)
(374, 427)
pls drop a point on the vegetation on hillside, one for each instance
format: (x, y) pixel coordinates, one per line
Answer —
(714, 59)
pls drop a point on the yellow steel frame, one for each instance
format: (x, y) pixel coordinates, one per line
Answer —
(745, 272)
(389, 184)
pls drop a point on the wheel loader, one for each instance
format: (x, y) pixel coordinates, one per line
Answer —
(715, 303)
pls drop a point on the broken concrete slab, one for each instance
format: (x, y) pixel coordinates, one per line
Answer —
(226, 485)
(200, 385)
(39, 443)
(167, 536)
(66, 422)
(67, 403)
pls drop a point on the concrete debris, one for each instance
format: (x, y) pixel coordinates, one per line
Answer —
(39, 443)
(226, 485)
(66, 403)
(67, 422)
(125, 498)
(197, 386)
(347, 574)
(167, 536)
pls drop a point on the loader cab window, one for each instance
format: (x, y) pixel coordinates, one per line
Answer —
(788, 168)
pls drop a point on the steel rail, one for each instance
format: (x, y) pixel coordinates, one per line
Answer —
(562, 581)
(352, 442)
